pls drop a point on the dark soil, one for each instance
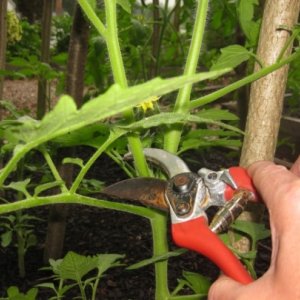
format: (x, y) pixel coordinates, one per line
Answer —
(91, 231)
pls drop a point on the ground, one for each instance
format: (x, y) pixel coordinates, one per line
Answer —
(23, 94)
(92, 231)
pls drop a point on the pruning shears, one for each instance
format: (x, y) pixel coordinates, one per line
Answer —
(187, 196)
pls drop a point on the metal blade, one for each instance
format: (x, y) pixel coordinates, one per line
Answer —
(168, 162)
(148, 191)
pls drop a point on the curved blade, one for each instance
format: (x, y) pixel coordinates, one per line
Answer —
(168, 162)
(148, 191)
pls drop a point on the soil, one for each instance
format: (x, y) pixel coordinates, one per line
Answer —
(22, 93)
(90, 231)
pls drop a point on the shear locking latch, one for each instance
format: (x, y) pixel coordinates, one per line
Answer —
(216, 183)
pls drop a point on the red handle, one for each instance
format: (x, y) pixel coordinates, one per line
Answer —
(196, 235)
(242, 180)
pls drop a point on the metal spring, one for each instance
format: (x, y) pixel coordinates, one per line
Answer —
(232, 209)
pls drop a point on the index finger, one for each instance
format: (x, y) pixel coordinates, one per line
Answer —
(273, 182)
(296, 167)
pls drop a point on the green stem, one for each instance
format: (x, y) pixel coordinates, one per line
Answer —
(113, 45)
(82, 291)
(136, 148)
(54, 170)
(160, 246)
(67, 198)
(172, 137)
(10, 166)
(113, 136)
(20, 246)
(118, 70)
(90, 13)
(116, 157)
(60, 292)
(95, 285)
(288, 43)
(257, 75)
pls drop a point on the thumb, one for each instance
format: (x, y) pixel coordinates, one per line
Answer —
(224, 288)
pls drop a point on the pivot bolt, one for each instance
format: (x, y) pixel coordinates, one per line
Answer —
(182, 183)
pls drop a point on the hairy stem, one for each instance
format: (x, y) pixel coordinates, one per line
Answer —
(113, 136)
(82, 291)
(172, 137)
(68, 198)
(54, 170)
(117, 158)
(95, 285)
(90, 13)
(232, 87)
(160, 246)
(118, 70)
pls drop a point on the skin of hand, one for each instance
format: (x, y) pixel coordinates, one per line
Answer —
(280, 190)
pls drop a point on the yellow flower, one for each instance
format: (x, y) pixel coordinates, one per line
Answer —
(148, 103)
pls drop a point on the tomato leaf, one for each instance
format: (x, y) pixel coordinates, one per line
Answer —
(231, 57)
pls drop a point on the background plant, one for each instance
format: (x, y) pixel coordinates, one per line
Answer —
(29, 44)
(61, 33)
(18, 230)
(14, 29)
(13, 293)
(75, 271)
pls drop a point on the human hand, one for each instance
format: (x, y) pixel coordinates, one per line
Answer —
(280, 190)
